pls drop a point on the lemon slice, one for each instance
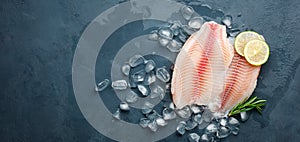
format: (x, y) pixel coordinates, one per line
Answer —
(256, 52)
(243, 38)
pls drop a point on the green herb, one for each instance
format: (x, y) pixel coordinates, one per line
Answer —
(247, 105)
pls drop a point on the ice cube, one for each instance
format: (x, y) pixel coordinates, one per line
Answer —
(145, 90)
(165, 33)
(175, 25)
(207, 115)
(152, 126)
(161, 122)
(144, 122)
(196, 108)
(125, 69)
(190, 124)
(193, 137)
(153, 36)
(181, 127)
(184, 112)
(168, 86)
(131, 97)
(153, 115)
(139, 76)
(205, 138)
(233, 122)
(198, 118)
(234, 32)
(136, 60)
(182, 37)
(124, 106)
(119, 85)
(102, 85)
(163, 42)
(244, 116)
(187, 12)
(234, 130)
(187, 29)
(203, 125)
(147, 108)
(223, 132)
(149, 78)
(116, 115)
(227, 21)
(172, 106)
(150, 65)
(131, 83)
(157, 92)
(174, 46)
(231, 40)
(168, 114)
(162, 74)
(211, 128)
(196, 23)
(223, 122)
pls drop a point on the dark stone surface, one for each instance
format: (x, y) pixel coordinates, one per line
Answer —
(38, 40)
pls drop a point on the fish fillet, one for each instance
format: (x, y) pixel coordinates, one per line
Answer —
(201, 66)
(240, 82)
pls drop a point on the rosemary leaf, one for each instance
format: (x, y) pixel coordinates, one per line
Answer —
(247, 105)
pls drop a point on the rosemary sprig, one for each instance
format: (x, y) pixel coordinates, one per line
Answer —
(246, 105)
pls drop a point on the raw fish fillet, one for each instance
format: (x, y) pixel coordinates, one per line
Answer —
(201, 66)
(240, 82)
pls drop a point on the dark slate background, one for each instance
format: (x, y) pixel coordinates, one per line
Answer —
(38, 39)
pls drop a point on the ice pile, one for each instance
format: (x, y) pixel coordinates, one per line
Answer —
(175, 34)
